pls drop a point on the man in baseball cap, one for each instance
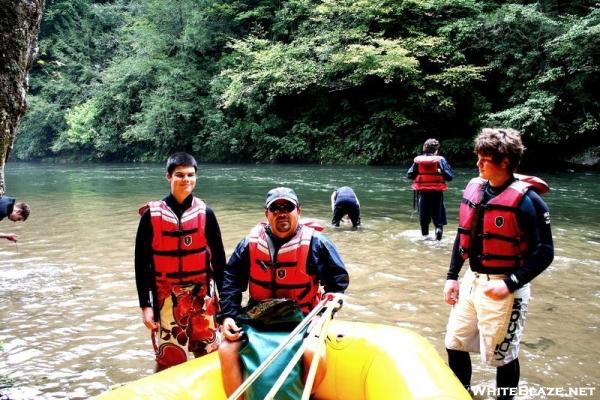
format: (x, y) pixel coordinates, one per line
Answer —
(282, 258)
(281, 193)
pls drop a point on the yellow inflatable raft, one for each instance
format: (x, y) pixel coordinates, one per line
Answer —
(364, 362)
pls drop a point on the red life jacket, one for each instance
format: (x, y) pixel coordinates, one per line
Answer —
(284, 274)
(504, 244)
(429, 177)
(179, 247)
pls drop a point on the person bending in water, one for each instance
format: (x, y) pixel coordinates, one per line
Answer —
(16, 212)
(344, 202)
(179, 258)
(504, 232)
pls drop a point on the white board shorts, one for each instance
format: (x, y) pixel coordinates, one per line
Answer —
(493, 328)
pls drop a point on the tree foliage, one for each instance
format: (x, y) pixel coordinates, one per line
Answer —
(340, 81)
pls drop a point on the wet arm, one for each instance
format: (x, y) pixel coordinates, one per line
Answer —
(235, 282)
(215, 244)
(143, 260)
(333, 196)
(9, 236)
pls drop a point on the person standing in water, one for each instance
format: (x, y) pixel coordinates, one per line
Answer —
(429, 173)
(504, 232)
(179, 259)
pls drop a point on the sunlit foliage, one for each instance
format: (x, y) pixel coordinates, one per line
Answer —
(340, 81)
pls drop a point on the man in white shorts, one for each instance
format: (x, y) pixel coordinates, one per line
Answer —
(504, 232)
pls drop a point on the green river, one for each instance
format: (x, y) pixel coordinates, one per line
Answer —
(70, 325)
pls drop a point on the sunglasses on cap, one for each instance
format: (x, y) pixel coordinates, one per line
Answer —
(282, 207)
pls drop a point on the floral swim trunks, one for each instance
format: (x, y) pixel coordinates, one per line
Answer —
(187, 324)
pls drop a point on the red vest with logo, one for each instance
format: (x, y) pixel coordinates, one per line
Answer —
(429, 178)
(179, 247)
(282, 275)
(504, 244)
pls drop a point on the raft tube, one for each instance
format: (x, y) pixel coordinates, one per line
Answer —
(364, 362)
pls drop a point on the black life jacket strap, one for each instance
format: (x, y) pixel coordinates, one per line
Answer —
(274, 286)
(515, 240)
(179, 252)
(182, 232)
(265, 264)
(180, 274)
(498, 257)
(492, 206)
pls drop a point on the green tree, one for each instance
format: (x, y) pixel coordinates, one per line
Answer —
(357, 81)
(77, 41)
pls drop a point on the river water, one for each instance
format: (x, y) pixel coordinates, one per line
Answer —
(70, 326)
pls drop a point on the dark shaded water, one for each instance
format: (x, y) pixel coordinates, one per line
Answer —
(70, 326)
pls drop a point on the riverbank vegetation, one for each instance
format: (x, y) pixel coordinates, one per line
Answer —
(332, 81)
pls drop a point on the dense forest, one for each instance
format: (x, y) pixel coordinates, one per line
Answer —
(330, 81)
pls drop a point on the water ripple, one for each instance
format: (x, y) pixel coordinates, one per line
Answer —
(71, 325)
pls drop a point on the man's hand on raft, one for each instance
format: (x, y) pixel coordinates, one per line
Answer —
(230, 330)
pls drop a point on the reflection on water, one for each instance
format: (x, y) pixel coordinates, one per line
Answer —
(70, 325)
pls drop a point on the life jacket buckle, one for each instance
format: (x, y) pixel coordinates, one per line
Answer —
(263, 265)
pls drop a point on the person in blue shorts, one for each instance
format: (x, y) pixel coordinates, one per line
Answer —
(344, 202)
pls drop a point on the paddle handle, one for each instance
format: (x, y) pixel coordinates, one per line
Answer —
(314, 365)
(317, 326)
